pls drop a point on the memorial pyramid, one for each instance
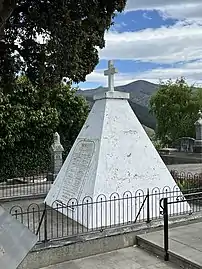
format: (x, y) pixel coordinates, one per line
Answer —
(112, 153)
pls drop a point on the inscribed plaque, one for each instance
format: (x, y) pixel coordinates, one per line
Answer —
(77, 171)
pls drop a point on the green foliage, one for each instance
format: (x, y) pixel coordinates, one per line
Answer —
(157, 143)
(150, 132)
(72, 112)
(46, 41)
(186, 186)
(29, 116)
(175, 106)
(49, 40)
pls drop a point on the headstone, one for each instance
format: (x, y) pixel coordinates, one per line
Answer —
(198, 141)
(15, 241)
(56, 151)
(187, 144)
(112, 153)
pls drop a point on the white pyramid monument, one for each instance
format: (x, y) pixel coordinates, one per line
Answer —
(112, 154)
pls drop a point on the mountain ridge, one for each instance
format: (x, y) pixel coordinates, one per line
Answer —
(140, 94)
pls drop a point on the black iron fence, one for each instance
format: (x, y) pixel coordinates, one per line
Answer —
(33, 184)
(40, 183)
(187, 181)
(194, 199)
(76, 218)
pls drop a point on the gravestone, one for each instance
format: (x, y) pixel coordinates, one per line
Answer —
(15, 241)
(187, 144)
(198, 141)
(112, 154)
(56, 154)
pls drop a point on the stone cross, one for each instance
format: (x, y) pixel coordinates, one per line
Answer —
(110, 73)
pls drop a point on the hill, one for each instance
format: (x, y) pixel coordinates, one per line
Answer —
(140, 94)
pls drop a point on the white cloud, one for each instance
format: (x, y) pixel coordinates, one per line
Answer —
(191, 71)
(181, 9)
(181, 42)
(146, 16)
(98, 77)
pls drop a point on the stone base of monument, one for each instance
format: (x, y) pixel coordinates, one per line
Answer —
(198, 146)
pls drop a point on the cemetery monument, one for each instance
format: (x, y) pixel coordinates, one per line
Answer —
(56, 154)
(198, 141)
(112, 154)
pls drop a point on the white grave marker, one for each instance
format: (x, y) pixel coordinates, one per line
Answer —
(112, 153)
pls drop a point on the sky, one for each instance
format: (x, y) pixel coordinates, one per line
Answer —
(153, 40)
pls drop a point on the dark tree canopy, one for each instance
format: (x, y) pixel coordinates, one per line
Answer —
(29, 116)
(73, 30)
(6, 9)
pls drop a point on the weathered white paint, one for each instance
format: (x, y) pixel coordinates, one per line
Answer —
(121, 159)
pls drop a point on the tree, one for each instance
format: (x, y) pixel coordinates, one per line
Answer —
(6, 9)
(175, 106)
(48, 40)
(72, 112)
(29, 116)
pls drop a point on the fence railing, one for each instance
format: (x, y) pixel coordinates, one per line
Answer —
(40, 183)
(76, 218)
(26, 185)
(193, 198)
(187, 181)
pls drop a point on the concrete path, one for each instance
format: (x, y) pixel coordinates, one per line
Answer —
(127, 258)
(185, 241)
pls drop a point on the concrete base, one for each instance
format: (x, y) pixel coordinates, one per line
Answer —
(197, 149)
(185, 248)
(198, 146)
(126, 258)
(94, 243)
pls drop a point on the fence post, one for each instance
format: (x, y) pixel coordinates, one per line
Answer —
(148, 207)
(165, 217)
(45, 224)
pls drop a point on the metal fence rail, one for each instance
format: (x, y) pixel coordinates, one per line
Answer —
(187, 181)
(90, 215)
(35, 184)
(195, 199)
(40, 183)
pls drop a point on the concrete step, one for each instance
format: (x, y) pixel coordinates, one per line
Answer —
(179, 254)
(126, 258)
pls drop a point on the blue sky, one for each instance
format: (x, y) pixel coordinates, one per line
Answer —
(152, 40)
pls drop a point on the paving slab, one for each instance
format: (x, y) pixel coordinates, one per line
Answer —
(127, 258)
(185, 241)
